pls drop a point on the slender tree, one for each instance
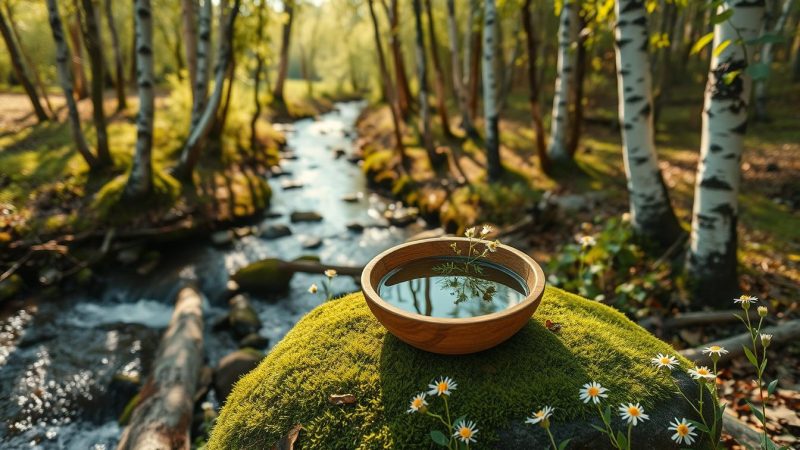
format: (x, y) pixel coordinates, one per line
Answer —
(198, 134)
(577, 92)
(422, 81)
(120, 80)
(567, 33)
(766, 58)
(403, 89)
(29, 62)
(259, 55)
(140, 181)
(190, 44)
(458, 82)
(200, 87)
(81, 85)
(490, 112)
(91, 37)
(18, 64)
(532, 46)
(652, 215)
(438, 73)
(712, 252)
(283, 64)
(394, 107)
(472, 56)
(65, 77)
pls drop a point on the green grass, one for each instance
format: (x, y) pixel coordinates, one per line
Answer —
(340, 348)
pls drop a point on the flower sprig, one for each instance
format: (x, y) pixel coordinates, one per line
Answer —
(463, 279)
(459, 431)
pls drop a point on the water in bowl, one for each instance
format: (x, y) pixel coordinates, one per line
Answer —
(452, 287)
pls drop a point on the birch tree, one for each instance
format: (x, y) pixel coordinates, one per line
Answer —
(422, 81)
(260, 57)
(140, 181)
(200, 87)
(65, 77)
(18, 65)
(472, 50)
(283, 64)
(652, 215)
(712, 252)
(532, 47)
(91, 37)
(120, 80)
(81, 88)
(766, 60)
(403, 90)
(458, 82)
(567, 34)
(189, 31)
(490, 76)
(438, 73)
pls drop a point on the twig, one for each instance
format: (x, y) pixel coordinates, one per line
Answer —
(785, 332)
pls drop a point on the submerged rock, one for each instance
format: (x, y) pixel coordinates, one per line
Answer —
(263, 277)
(306, 216)
(355, 227)
(340, 347)
(242, 318)
(254, 340)
(231, 368)
(291, 184)
(311, 243)
(352, 197)
(221, 237)
(275, 231)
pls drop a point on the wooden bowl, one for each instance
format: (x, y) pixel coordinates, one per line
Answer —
(446, 335)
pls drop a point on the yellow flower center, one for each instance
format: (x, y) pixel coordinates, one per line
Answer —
(465, 432)
(442, 386)
(539, 413)
(715, 348)
(634, 411)
(703, 372)
(665, 360)
(417, 403)
(593, 391)
(682, 429)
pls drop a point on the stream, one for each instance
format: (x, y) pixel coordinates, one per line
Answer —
(61, 361)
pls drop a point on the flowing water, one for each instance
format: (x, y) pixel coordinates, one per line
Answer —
(58, 359)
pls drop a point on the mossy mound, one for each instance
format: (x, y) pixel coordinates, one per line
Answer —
(340, 348)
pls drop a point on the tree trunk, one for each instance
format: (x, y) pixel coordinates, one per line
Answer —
(222, 113)
(120, 85)
(438, 73)
(576, 110)
(140, 182)
(394, 107)
(163, 415)
(796, 57)
(490, 113)
(712, 252)
(79, 76)
(257, 77)
(189, 30)
(766, 58)
(283, 65)
(197, 136)
(458, 85)
(132, 67)
(19, 69)
(533, 87)
(200, 87)
(652, 216)
(403, 90)
(422, 82)
(473, 58)
(29, 63)
(91, 37)
(509, 66)
(567, 33)
(64, 76)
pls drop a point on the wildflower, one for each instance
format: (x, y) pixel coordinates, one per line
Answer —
(765, 339)
(745, 300)
(330, 273)
(486, 230)
(586, 241)
(633, 413)
(313, 288)
(762, 311)
(592, 392)
(442, 386)
(626, 217)
(684, 432)
(663, 361)
(492, 246)
(418, 403)
(470, 233)
(542, 416)
(205, 406)
(714, 351)
(702, 373)
(465, 431)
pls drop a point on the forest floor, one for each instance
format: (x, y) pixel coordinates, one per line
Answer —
(769, 238)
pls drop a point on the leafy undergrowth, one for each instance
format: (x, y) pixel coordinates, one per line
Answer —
(340, 348)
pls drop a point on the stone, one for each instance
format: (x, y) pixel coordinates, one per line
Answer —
(242, 318)
(291, 184)
(221, 237)
(254, 340)
(401, 217)
(263, 277)
(355, 227)
(305, 216)
(339, 347)
(275, 231)
(352, 197)
(338, 153)
(311, 243)
(231, 367)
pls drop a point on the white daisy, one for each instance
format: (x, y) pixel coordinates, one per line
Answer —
(470, 232)
(702, 373)
(540, 415)
(633, 414)
(664, 361)
(587, 241)
(330, 273)
(714, 350)
(486, 230)
(442, 386)
(766, 339)
(684, 431)
(745, 300)
(465, 431)
(417, 402)
(313, 288)
(762, 311)
(592, 392)
(492, 246)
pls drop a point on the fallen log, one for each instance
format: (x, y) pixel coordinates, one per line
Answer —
(785, 332)
(163, 415)
(743, 433)
(689, 319)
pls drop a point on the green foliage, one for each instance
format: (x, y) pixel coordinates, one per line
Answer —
(339, 347)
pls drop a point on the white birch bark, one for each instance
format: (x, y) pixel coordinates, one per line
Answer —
(458, 86)
(189, 31)
(63, 59)
(712, 251)
(203, 57)
(651, 213)
(489, 73)
(766, 58)
(567, 34)
(140, 181)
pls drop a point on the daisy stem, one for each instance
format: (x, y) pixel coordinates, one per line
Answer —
(675, 383)
(608, 427)
(449, 422)
(715, 394)
(630, 427)
(441, 419)
(550, 435)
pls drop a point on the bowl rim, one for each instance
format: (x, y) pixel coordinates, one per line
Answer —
(534, 295)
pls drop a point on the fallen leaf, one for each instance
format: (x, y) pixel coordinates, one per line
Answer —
(287, 441)
(342, 399)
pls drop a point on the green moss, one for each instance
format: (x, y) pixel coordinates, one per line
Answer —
(265, 276)
(340, 348)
